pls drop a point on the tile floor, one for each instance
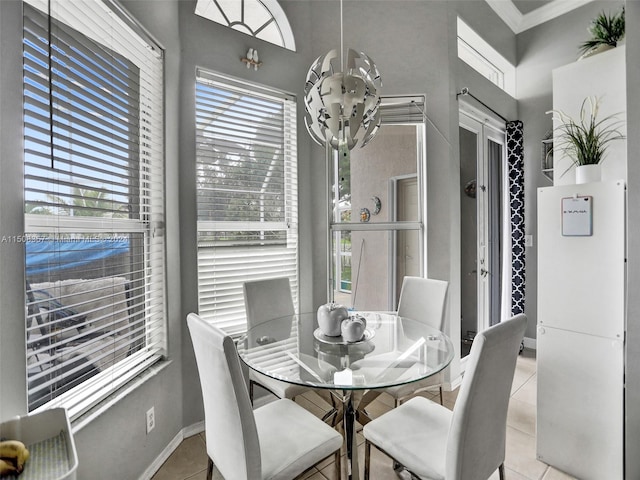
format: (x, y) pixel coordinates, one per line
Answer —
(189, 461)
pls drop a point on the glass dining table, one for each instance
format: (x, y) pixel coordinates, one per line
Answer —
(392, 351)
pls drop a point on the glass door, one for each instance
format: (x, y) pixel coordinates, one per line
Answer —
(482, 153)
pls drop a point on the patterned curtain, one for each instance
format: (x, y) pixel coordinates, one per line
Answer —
(515, 165)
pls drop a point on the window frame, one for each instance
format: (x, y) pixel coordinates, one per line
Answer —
(215, 11)
(221, 301)
(476, 52)
(147, 181)
(395, 110)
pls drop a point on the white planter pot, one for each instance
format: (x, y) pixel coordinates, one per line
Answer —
(595, 50)
(588, 173)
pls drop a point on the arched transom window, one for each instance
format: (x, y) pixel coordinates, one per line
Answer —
(263, 19)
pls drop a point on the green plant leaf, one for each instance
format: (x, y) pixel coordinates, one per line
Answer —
(605, 29)
(586, 140)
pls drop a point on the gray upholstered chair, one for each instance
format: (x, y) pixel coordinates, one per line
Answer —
(265, 300)
(467, 443)
(423, 300)
(277, 441)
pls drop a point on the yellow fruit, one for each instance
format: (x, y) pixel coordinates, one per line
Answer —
(6, 468)
(13, 453)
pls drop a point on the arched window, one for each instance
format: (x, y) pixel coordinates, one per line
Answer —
(263, 19)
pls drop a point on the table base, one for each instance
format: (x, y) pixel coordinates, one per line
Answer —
(353, 404)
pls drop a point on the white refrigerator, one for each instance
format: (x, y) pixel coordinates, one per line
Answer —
(581, 329)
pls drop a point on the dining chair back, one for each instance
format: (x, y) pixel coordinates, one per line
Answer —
(477, 438)
(232, 438)
(277, 441)
(423, 300)
(265, 300)
(468, 443)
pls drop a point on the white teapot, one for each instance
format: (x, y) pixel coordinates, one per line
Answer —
(330, 317)
(353, 328)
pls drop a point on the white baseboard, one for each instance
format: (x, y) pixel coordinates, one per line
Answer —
(192, 430)
(169, 449)
(453, 384)
(530, 343)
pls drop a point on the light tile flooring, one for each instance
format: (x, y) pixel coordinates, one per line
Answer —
(189, 460)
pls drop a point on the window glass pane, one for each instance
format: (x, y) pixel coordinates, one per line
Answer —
(377, 236)
(232, 9)
(241, 162)
(93, 166)
(370, 265)
(263, 19)
(479, 63)
(368, 179)
(486, 60)
(256, 15)
(246, 194)
(271, 33)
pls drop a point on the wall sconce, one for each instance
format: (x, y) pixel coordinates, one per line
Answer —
(252, 59)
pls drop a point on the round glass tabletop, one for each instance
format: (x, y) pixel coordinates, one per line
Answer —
(393, 351)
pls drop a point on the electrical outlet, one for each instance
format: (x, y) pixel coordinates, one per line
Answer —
(528, 240)
(151, 420)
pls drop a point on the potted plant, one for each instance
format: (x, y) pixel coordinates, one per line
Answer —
(586, 140)
(606, 31)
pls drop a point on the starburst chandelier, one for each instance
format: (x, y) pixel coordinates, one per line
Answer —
(342, 107)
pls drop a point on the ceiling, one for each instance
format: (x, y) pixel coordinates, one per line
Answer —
(520, 15)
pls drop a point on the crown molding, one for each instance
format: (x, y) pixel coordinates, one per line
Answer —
(518, 22)
(508, 12)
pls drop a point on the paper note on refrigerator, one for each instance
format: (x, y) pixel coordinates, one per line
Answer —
(577, 217)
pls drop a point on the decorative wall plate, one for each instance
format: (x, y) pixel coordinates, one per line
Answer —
(377, 205)
(470, 189)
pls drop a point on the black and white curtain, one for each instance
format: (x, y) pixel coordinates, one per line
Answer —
(515, 166)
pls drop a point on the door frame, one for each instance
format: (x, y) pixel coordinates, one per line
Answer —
(393, 244)
(487, 128)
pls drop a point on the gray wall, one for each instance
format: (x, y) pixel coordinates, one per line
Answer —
(13, 397)
(632, 374)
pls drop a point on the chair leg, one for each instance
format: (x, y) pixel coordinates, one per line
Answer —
(367, 459)
(251, 383)
(441, 397)
(331, 415)
(210, 470)
(338, 463)
(501, 471)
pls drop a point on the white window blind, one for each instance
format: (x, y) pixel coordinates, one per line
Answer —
(246, 194)
(94, 208)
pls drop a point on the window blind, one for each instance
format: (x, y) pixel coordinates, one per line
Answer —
(94, 212)
(246, 193)
(402, 110)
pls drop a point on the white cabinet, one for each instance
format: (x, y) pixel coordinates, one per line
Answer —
(580, 403)
(581, 330)
(603, 76)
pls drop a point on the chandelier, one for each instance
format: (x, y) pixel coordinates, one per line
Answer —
(342, 108)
